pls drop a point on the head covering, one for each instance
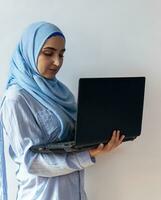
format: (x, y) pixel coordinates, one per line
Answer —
(51, 93)
(23, 70)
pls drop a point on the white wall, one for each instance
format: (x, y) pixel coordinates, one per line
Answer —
(104, 38)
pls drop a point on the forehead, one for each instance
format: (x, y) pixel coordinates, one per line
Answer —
(57, 42)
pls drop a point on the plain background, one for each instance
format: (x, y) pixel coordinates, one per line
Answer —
(104, 38)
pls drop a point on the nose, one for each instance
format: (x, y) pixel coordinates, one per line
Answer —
(56, 60)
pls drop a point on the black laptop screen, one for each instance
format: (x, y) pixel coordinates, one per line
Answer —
(106, 104)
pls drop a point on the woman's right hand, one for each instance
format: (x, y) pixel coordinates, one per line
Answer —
(114, 142)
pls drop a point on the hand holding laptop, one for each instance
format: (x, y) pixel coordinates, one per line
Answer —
(114, 142)
(104, 104)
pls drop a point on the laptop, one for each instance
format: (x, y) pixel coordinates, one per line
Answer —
(104, 105)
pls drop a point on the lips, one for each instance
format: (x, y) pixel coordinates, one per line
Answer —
(55, 70)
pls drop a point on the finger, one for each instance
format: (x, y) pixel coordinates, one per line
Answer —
(97, 150)
(118, 139)
(117, 135)
(109, 145)
(100, 147)
(114, 141)
(111, 141)
(121, 138)
(113, 136)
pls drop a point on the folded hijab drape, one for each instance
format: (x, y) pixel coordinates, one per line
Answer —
(52, 93)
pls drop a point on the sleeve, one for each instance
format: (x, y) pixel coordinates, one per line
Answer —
(23, 132)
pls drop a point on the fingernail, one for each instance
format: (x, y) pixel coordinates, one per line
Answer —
(101, 145)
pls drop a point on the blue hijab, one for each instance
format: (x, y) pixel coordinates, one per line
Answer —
(51, 93)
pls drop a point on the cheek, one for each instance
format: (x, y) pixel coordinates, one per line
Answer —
(61, 62)
(42, 65)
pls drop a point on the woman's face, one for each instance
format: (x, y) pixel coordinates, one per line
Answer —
(50, 58)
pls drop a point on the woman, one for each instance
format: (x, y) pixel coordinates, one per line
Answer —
(37, 108)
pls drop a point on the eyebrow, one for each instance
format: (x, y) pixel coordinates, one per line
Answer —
(54, 49)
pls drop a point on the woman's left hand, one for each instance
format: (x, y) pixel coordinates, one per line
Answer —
(114, 142)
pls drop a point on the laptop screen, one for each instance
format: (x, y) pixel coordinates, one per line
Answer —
(107, 104)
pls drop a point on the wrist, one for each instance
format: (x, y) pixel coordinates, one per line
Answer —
(92, 153)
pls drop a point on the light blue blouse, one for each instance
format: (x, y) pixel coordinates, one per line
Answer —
(40, 176)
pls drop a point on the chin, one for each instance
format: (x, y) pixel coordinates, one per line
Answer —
(50, 78)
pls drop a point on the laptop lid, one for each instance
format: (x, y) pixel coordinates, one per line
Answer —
(107, 104)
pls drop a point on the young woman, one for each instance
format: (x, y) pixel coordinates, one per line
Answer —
(37, 108)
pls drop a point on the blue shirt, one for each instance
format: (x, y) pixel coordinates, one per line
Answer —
(40, 176)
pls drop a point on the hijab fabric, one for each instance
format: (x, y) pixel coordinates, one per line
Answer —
(51, 93)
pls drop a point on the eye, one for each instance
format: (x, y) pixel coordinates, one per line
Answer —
(61, 55)
(47, 53)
